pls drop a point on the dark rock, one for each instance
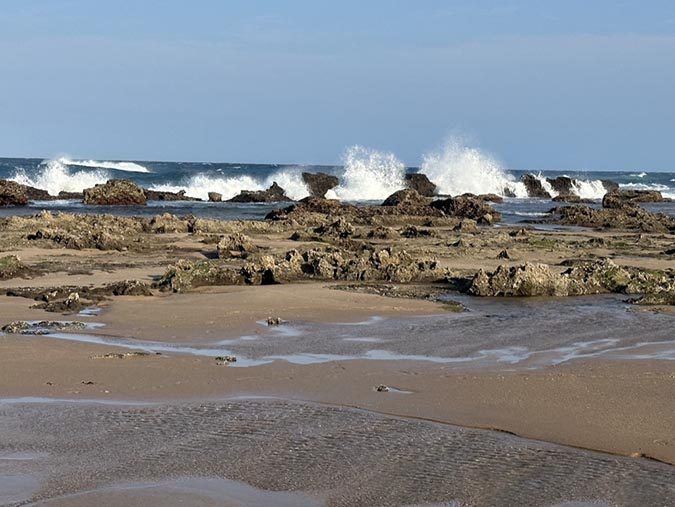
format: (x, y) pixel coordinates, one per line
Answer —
(235, 246)
(621, 198)
(412, 231)
(626, 217)
(421, 184)
(215, 197)
(504, 254)
(572, 198)
(273, 194)
(534, 187)
(115, 193)
(12, 267)
(564, 185)
(13, 194)
(71, 195)
(508, 192)
(406, 197)
(610, 185)
(319, 183)
(157, 195)
(42, 327)
(468, 207)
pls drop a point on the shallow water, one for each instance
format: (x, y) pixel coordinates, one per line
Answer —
(503, 333)
(338, 455)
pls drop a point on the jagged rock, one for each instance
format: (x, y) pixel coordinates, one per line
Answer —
(12, 194)
(382, 388)
(564, 185)
(660, 298)
(412, 231)
(226, 359)
(115, 192)
(186, 274)
(468, 207)
(421, 184)
(12, 267)
(274, 321)
(621, 198)
(100, 240)
(235, 245)
(79, 196)
(273, 194)
(504, 254)
(167, 223)
(70, 304)
(406, 197)
(127, 288)
(467, 226)
(340, 229)
(587, 277)
(571, 198)
(319, 183)
(534, 187)
(160, 195)
(626, 217)
(610, 186)
(215, 197)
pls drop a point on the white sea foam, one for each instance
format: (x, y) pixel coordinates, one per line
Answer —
(55, 177)
(369, 175)
(117, 166)
(589, 189)
(458, 169)
(201, 184)
(638, 175)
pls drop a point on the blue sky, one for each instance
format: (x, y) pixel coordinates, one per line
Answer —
(538, 84)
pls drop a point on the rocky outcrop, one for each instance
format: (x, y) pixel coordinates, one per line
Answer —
(421, 184)
(12, 267)
(215, 197)
(621, 198)
(185, 275)
(610, 186)
(626, 217)
(166, 223)
(534, 187)
(563, 185)
(157, 195)
(115, 193)
(406, 197)
(273, 194)
(42, 327)
(235, 246)
(585, 277)
(12, 194)
(468, 207)
(319, 183)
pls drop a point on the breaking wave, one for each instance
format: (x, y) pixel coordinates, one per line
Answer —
(458, 169)
(369, 175)
(55, 177)
(116, 166)
(201, 184)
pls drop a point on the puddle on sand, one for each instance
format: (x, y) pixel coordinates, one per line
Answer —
(17, 488)
(182, 492)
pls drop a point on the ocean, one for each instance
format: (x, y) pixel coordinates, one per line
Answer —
(366, 176)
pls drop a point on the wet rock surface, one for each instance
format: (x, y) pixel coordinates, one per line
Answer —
(421, 184)
(12, 267)
(273, 194)
(621, 198)
(161, 195)
(12, 194)
(115, 193)
(319, 183)
(534, 187)
(624, 217)
(42, 327)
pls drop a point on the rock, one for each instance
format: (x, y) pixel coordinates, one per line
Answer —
(127, 288)
(115, 193)
(534, 187)
(508, 192)
(319, 183)
(274, 321)
(12, 267)
(466, 226)
(564, 185)
(185, 275)
(235, 245)
(70, 304)
(157, 195)
(571, 198)
(382, 388)
(413, 231)
(421, 184)
(12, 194)
(406, 197)
(167, 223)
(79, 196)
(625, 217)
(474, 208)
(42, 327)
(215, 197)
(381, 233)
(226, 359)
(660, 298)
(610, 185)
(526, 280)
(621, 198)
(339, 229)
(504, 254)
(273, 194)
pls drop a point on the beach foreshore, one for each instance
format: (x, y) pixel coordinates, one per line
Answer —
(380, 316)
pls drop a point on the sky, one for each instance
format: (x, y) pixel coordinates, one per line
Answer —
(538, 84)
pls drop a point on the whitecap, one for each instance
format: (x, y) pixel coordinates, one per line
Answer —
(116, 166)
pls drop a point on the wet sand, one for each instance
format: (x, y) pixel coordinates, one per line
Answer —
(337, 455)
